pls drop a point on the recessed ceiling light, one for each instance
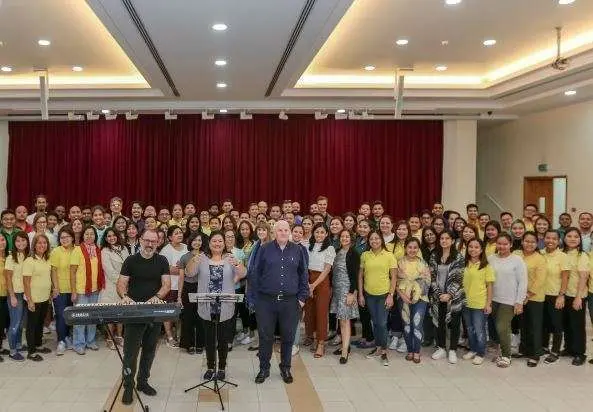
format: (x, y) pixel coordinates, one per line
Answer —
(452, 2)
(219, 27)
(221, 85)
(445, 43)
(341, 111)
(223, 111)
(6, 69)
(489, 42)
(441, 68)
(570, 92)
(77, 68)
(401, 42)
(564, 2)
(369, 68)
(220, 62)
(105, 111)
(43, 42)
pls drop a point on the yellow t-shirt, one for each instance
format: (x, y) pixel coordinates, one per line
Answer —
(418, 234)
(60, 259)
(376, 266)
(409, 271)
(490, 248)
(528, 225)
(556, 263)
(3, 291)
(474, 284)
(181, 222)
(40, 272)
(536, 275)
(17, 272)
(77, 259)
(576, 263)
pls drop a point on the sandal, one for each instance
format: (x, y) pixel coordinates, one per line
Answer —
(416, 358)
(320, 350)
(410, 356)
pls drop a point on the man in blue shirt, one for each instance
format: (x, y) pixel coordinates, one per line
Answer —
(278, 289)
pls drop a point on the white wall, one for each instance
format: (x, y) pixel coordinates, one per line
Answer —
(562, 138)
(459, 163)
(3, 163)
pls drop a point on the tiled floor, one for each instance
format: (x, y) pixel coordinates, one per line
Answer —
(83, 383)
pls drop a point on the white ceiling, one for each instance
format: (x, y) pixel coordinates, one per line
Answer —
(338, 38)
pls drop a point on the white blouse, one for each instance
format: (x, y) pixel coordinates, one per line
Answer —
(317, 259)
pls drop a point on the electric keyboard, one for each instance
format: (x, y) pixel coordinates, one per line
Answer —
(139, 312)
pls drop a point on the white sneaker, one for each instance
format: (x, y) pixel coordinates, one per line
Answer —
(503, 362)
(295, 349)
(452, 357)
(469, 355)
(393, 344)
(440, 353)
(478, 360)
(61, 348)
(240, 336)
(401, 346)
(246, 340)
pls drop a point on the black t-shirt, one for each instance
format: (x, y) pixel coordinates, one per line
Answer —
(145, 275)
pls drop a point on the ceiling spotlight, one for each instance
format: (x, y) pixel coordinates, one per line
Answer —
(401, 42)
(223, 111)
(77, 68)
(441, 68)
(131, 115)
(452, 2)
(341, 115)
(319, 115)
(105, 111)
(219, 27)
(43, 42)
(369, 68)
(245, 116)
(282, 115)
(565, 2)
(6, 69)
(221, 85)
(445, 43)
(220, 62)
(92, 116)
(170, 116)
(570, 92)
(111, 116)
(341, 111)
(206, 116)
(489, 42)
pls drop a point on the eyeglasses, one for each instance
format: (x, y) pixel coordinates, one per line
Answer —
(150, 241)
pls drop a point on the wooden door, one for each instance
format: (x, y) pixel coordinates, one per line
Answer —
(540, 192)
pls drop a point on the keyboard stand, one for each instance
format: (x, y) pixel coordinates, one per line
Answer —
(121, 383)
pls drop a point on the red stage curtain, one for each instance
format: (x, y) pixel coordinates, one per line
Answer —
(162, 162)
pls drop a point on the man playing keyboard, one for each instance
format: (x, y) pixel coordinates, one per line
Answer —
(144, 277)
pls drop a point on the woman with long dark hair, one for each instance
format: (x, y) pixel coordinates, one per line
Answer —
(132, 239)
(542, 225)
(491, 232)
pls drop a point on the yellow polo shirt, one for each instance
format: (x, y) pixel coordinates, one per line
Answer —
(474, 284)
(576, 263)
(490, 248)
(77, 259)
(376, 267)
(536, 275)
(39, 270)
(60, 259)
(556, 263)
(17, 272)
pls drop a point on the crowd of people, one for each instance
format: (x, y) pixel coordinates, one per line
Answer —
(440, 278)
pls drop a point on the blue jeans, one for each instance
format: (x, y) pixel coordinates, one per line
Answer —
(85, 335)
(15, 329)
(61, 302)
(475, 322)
(413, 317)
(378, 312)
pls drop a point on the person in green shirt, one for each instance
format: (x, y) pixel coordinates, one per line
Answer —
(7, 220)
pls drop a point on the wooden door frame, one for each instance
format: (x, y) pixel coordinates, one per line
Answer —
(526, 178)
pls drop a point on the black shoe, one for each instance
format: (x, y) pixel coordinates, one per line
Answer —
(578, 360)
(146, 389)
(199, 351)
(128, 396)
(209, 374)
(35, 357)
(262, 375)
(221, 374)
(532, 362)
(191, 351)
(551, 358)
(344, 360)
(286, 375)
(591, 361)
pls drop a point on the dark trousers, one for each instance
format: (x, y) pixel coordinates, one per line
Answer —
(192, 327)
(4, 318)
(247, 319)
(428, 329)
(138, 335)
(61, 302)
(531, 334)
(394, 318)
(365, 323)
(269, 310)
(34, 332)
(224, 335)
(552, 324)
(574, 328)
(454, 325)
